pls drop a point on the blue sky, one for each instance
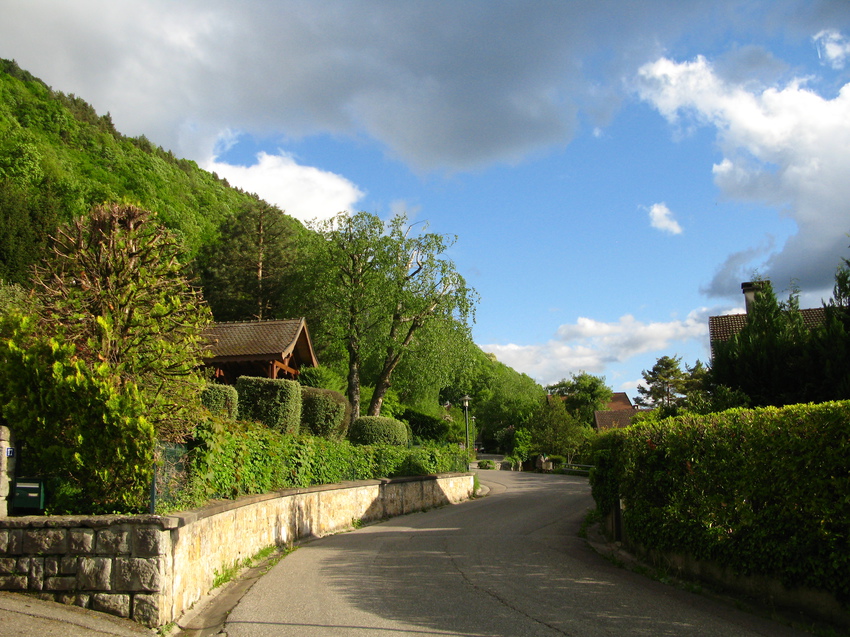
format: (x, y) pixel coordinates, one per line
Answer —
(613, 170)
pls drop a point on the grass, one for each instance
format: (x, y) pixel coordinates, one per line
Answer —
(229, 573)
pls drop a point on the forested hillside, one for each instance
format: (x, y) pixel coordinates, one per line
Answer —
(59, 158)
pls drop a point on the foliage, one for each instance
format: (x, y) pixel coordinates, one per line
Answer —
(554, 430)
(247, 271)
(241, 458)
(64, 158)
(377, 287)
(582, 394)
(425, 427)
(757, 491)
(486, 464)
(276, 403)
(115, 289)
(322, 377)
(83, 427)
(664, 384)
(221, 400)
(377, 430)
(515, 442)
(324, 412)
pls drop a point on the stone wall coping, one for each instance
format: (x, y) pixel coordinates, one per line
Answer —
(183, 518)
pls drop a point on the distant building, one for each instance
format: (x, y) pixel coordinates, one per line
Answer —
(617, 414)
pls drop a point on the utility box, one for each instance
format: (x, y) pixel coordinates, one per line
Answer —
(29, 494)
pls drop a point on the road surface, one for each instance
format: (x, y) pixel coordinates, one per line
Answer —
(507, 565)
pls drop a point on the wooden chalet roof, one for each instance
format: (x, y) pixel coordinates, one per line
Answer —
(260, 340)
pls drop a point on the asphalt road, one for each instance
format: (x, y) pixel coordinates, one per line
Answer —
(507, 565)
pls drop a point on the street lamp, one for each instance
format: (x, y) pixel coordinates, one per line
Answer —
(465, 400)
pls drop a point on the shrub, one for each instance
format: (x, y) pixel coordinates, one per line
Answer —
(324, 412)
(276, 403)
(758, 491)
(486, 464)
(222, 400)
(424, 427)
(82, 426)
(321, 377)
(376, 430)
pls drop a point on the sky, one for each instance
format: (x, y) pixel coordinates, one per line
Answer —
(612, 170)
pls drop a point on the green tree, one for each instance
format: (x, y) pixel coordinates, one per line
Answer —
(582, 395)
(555, 430)
(378, 286)
(248, 272)
(664, 384)
(115, 290)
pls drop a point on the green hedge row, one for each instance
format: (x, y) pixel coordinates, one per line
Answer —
(239, 458)
(378, 430)
(764, 491)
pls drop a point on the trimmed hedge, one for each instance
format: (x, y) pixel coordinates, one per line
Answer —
(276, 403)
(235, 459)
(425, 427)
(222, 400)
(378, 430)
(761, 491)
(324, 412)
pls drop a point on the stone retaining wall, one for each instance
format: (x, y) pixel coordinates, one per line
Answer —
(154, 568)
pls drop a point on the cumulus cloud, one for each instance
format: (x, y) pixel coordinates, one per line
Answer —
(661, 218)
(783, 146)
(442, 86)
(833, 48)
(594, 346)
(303, 192)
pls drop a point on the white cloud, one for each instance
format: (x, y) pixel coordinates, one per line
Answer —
(661, 218)
(833, 47)
(593, 346)
(303, 192)
(783, 146)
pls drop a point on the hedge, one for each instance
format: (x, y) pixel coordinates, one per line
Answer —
(324, 412)
(764, 491)
(222, 400)
(276, 403)
(376, 430)
(235, 459)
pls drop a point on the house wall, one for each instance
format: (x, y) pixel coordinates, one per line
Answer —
(154, 568)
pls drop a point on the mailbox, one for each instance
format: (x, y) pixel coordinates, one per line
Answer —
(29, 494)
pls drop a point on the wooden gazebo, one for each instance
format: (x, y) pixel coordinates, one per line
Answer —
(269, 349)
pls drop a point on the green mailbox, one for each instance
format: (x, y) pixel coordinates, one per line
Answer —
(29, 494)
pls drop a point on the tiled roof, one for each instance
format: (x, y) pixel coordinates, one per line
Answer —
(613, 419)
(254, 338)
(722, 328)
(619, 400)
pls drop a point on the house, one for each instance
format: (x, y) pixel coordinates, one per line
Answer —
(722, 328)
(617, 415)
(269, 349)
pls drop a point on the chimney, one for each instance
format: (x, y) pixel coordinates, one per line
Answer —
(749, 289)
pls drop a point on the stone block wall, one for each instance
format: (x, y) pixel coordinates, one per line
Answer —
(7, 469)
(152, 568)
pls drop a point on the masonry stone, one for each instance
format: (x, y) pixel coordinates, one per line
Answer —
(8, 565)
(146, 609)
(137, 574)
(51, 566)
(81, 541)
(113, 541)
(150, 542)
(23, 565)
(45, 541)
(4, 540)
(95, 573)
(112, 603)
(68, 565)
(60, 583)
(15, 542)
(13, 582)
(36, 573)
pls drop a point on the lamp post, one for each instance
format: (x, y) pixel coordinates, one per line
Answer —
(465, 400)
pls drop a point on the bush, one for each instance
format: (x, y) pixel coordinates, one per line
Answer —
(276, 403)
(324, 412)
(424, 427)
(84, 429)
(486, 464)
(222, 400)
(322, 378)
(758, 491)
(378, 430)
